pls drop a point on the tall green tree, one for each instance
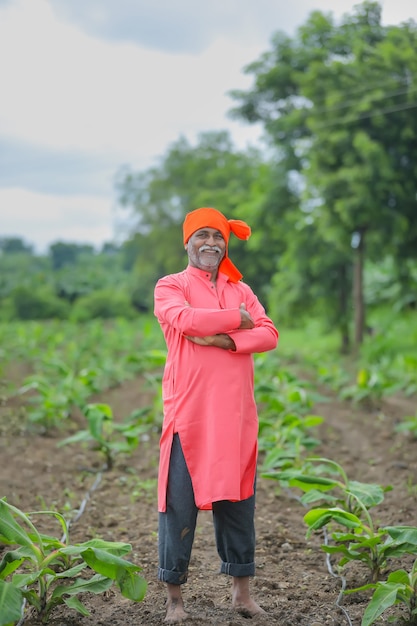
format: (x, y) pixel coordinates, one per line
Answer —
(63, 253)
(210, 173)
(338, 102)
(14, 245)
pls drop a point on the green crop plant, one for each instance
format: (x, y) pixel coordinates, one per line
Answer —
(56, 395)
(285, 441)
(408, 426)
(371, 385)
(400, 588)
(285, 427)
(324, 480)
(343, 502)
(109, 437)
(361, 541)
(44, 572)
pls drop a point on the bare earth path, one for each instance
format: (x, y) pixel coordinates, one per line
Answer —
(293, 583)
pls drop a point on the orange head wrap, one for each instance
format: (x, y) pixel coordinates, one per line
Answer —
(212, 218)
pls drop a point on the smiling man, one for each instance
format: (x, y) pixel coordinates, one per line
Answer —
(212, 324)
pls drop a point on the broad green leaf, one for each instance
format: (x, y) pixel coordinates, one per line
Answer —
(79, 436)
(399, 576)
(405, 534)
(132, 586)
(368, 493)
(312, 420)
(11, 600)
(73, 603)
(73, 571)
(385, 596)
(307, 482)
(317, 518)
(95, 584)
(314, 495)
(10, 528)
(9, 563)
(107, 564)
(118, 548)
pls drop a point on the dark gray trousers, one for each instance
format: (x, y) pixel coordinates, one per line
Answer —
(233, 526)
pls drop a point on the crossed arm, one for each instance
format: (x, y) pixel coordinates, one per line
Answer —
(222, 340)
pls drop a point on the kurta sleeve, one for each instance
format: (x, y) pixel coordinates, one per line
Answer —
(261, 338)
(171, 307)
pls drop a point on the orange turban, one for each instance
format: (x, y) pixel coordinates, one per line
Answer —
(212, 218)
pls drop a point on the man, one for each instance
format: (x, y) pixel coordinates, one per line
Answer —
(212, 324)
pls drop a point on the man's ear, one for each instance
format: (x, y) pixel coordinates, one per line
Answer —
(186, 246)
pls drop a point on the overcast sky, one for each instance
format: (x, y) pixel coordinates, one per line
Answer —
(90, 85)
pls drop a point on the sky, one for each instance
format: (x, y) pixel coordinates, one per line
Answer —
(90, 86)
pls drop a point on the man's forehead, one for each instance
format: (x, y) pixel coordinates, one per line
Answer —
(208, 229)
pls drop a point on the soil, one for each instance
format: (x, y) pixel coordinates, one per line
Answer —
(294, 582)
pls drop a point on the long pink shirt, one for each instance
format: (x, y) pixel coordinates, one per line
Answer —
(208, 392)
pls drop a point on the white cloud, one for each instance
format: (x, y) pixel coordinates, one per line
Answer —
(65, 90)
(188, 26)
(47, 218)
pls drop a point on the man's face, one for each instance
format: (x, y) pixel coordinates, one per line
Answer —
(206, 248)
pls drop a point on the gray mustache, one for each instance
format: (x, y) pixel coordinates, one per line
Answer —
(211, 248)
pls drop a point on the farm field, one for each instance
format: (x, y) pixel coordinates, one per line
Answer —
(293, 583)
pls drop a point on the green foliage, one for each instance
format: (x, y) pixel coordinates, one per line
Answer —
(71, 361)
(337, 102)
(15, 245)
(41, 304)
(371, 385)
(109, 437)
(408, 425)
(325, 481)
(63, 254)
(362, 541)
(47, 572)
(347, 503)
(46, 287)
(56, 396)
(400, 588)
(104, 304)
(210, 173)
(285, 425)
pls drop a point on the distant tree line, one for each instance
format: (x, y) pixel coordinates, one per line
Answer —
(70, 281)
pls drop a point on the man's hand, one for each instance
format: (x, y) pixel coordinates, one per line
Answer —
(245, 319)
(219, 341)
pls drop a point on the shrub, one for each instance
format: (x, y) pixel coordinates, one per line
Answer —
(37, 304)
(104, 304)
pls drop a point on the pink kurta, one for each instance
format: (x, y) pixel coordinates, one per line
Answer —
(208, 392)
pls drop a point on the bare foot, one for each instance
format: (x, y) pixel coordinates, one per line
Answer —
(241, 598)
(175, 606)
(175, 612)
(249, 610)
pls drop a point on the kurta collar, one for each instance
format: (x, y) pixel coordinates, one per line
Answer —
(195, 271)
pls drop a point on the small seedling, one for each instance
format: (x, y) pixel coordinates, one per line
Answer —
(109, 437)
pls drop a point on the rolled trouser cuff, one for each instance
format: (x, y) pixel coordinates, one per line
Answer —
(238, 569)
(173, 578)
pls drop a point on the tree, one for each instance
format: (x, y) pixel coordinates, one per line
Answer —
(211, 173)
(14, 245)
(63, 254)
(337, 102)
